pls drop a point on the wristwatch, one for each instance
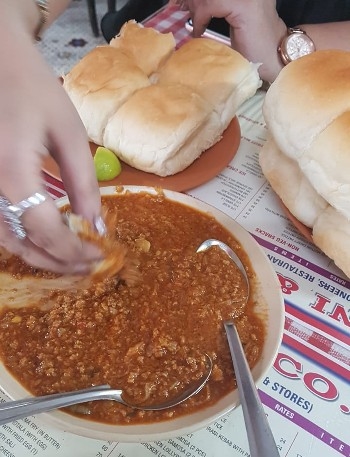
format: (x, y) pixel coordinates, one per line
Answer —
(295, 45)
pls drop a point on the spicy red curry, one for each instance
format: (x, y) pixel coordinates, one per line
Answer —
(148, 338)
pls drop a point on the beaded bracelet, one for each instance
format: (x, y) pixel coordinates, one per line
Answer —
(43, 6)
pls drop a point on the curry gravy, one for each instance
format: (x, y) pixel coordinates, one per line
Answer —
(148, 339)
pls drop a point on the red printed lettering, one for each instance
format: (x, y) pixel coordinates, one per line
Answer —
(284, 359)
(288, 285)
(339, 314)
(320, 386)
(320, 303)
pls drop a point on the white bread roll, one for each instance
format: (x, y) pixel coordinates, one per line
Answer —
(314, 130)
(326, 163)
(331, 233)
(218, 73)
(290, 184)
(147, 47)
(308, 94)
(307, 112)
(99, 84)
(160, 132)
(162, 129)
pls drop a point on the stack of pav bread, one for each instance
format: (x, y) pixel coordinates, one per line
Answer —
(155, 107)
(306, 157)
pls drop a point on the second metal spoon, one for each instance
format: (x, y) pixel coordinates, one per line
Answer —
(260, 438)
(14, 410)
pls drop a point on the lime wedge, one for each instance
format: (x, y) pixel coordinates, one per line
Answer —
(107, 164)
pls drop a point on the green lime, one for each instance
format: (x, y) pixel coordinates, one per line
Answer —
(107, 164)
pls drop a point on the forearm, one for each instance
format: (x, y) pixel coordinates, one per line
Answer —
(23, 16)
(333, 35)
(264, 48)
(257, 30)
(261, 47)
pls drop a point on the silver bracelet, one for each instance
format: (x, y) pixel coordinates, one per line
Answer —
(43, 6)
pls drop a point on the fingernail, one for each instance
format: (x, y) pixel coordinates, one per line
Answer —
(100, 226)
(81, 269)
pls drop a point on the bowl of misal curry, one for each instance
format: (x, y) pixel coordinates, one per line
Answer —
(147, 337)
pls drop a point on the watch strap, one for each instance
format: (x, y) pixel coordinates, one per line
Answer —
(291, 30)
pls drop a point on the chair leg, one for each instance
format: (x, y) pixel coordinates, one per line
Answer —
(111, 5)
(93, 17)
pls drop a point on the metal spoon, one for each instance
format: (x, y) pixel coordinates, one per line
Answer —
(260, 438)
(14, 410)
(207, 244)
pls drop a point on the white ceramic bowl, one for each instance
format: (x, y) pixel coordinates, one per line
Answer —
(272, 306)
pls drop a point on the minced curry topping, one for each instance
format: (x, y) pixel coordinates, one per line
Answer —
(147, 338)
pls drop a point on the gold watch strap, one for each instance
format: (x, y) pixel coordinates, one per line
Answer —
(43, 6)
(295, 30)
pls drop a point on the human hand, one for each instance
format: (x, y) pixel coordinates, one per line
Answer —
(238, 13)
(37, 118)
(256, 28)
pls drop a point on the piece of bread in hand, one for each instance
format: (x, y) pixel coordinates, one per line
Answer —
(99, 84)
(290, 184)
(148, 48)
(216, 72)
(162, 129)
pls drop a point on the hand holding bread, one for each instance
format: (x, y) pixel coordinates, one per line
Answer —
(155, 107)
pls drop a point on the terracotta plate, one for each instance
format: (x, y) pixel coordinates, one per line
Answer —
(210, 163)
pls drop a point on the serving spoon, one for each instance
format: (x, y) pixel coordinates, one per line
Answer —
(207, 244)
(260, 437)
(18, 409)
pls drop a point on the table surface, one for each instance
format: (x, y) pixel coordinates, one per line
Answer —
(306, 394)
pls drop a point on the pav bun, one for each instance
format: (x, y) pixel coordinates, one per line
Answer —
(158, 109)
(162, 128)
(147, 47)
(219, 74)
(306, 158)
(99, 84)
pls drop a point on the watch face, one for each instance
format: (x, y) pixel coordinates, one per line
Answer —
(298, 45)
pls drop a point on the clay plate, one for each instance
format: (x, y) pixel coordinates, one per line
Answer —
(206, 167)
